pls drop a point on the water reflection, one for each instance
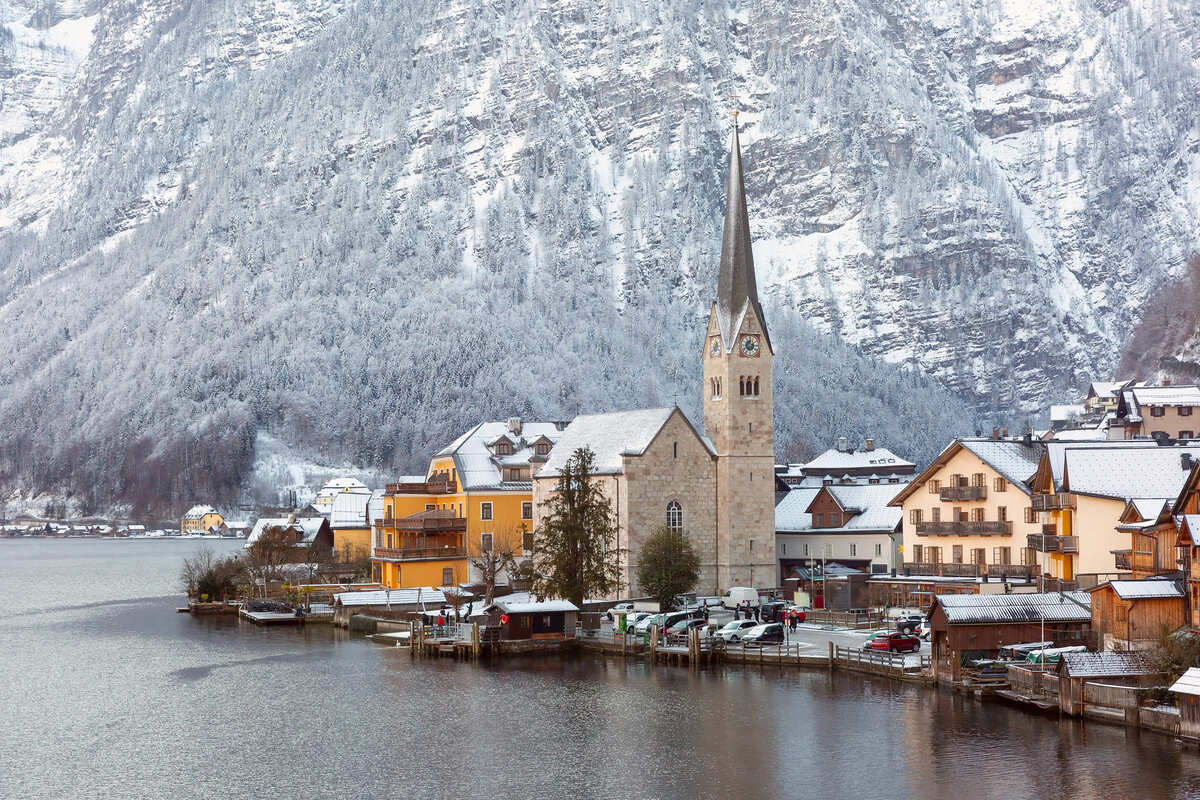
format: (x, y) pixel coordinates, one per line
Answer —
(112, 697)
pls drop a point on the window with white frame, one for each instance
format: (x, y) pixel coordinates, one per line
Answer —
(675, 516)
(485, 510)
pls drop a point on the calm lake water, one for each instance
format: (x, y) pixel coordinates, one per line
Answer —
(105, 692)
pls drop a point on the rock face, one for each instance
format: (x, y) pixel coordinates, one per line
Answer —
(362, 225)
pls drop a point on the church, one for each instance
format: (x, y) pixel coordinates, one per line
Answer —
(657, 468)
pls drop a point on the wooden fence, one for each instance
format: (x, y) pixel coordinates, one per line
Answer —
(1033, 681)
(880, 662)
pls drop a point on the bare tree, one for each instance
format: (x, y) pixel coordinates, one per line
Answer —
(275, 548)
(496, 557)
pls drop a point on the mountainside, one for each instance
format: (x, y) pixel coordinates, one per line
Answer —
(363, 225)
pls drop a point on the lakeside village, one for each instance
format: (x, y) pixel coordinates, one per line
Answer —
(1059, 569)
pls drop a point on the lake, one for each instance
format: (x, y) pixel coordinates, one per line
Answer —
(106, 692)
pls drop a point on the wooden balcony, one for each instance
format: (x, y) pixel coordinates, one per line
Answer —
(438, 521)
(963, 493)
(1046, 543)
(1052, 502)
(951, 570)
(1122, 558)
(994, 527)
(424, 487)
(419, 553)
(1050, 528)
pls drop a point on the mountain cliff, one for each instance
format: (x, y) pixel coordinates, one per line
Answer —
(360, 226)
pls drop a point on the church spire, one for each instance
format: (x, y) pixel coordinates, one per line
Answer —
(736, 286)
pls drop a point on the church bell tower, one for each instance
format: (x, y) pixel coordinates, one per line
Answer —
(738, 403)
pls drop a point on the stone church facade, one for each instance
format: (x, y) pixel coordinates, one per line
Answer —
(657, 469)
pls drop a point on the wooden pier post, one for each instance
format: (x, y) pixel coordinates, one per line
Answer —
(831, 657)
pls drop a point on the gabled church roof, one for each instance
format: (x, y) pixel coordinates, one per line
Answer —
(737, 289)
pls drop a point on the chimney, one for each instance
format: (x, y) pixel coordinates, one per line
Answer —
(869, 445)
(843, 444)
(1185, 461)
(995, 434)
(1166, 382)
(1004, 433)
(514, 425)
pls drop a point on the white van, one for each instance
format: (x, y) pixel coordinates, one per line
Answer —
(738, 595)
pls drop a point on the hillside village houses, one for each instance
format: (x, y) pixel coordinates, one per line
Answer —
(200, 519)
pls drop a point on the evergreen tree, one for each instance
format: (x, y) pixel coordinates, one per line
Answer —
(576, 552)
(667, 565)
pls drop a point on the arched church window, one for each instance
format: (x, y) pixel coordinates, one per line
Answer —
(756, 387)
(675, 516)
(742, 385)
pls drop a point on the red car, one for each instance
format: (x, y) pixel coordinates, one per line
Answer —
(896, 643)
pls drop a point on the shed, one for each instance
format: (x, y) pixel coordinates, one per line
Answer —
(967, 627)
(1187, 691)
(1134, 615)
(546, 619)
(1077, 670)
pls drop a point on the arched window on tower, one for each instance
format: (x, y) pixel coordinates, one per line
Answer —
(742, 385)
(756, 387)
(675, 516)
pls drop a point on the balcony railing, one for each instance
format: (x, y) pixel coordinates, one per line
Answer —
(1047, 543)
(424, 487)
(994, 527)
(953, 570)
(1122, 558)
(964, 493)
(418, 553)
(455, 524)
(1052, 502)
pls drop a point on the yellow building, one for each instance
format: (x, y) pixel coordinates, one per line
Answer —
(1083, 493)
(478, 487)
(199, 519)
(350, 519)
(968, 514)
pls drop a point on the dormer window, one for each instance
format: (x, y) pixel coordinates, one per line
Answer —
(542, 448)
(504, 448)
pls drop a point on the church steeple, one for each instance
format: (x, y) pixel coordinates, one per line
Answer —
(736, 285)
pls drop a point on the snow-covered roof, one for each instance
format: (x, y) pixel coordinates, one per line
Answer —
(1149, 508)
(997, 608)
(543, 607)
(1105, 390)
(1138, 590)
(1012, 458)
(479, 467)
(610, 436)
(308, 527)
(196, 512)
(1188, 683)
(396, 597)
(868, 503)
(1166, 395)
(1096, 434)
(375, 508)
(1123, 473)
(1066, 412)
(1110, 663)
(349, 510)
(1056, 450)
(836, 461)
(343, 485)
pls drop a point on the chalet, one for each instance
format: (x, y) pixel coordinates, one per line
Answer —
(350, 520)
(1081, 493)
(1103, 395)
(970, 627)
(1157, 412)
(1153, 538)
(547, 619)
(1186, 510)
(311, 536)
(849, 523)
(843, 464)
(1134, 615)
(968, 514)
(1076, 671)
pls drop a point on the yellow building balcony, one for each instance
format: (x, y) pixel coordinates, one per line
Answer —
(1052, 502)
(1048, 543)
(991, 527)
(961, 493)
(419, 553)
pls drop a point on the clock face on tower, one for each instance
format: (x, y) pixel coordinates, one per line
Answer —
(749, 346)
(714, 347)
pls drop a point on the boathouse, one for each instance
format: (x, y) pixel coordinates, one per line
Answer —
(967, 627)
(1187, 692)
(1088, 678)
(385, 603)
(517, 621)
(1134, 615)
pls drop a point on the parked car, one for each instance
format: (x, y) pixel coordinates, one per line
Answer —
(619, 608)
(738, 595)
(872, 636)
(634, 617)
(771, 633)
(924, 630)
(896, 643)
(643, 624)
(733, 631)
(908, 623)
(684, 625)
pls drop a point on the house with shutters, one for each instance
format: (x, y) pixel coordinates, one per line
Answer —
(968, 513)
(1157, 412)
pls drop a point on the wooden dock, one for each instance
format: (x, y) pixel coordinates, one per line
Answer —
(271, 617)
